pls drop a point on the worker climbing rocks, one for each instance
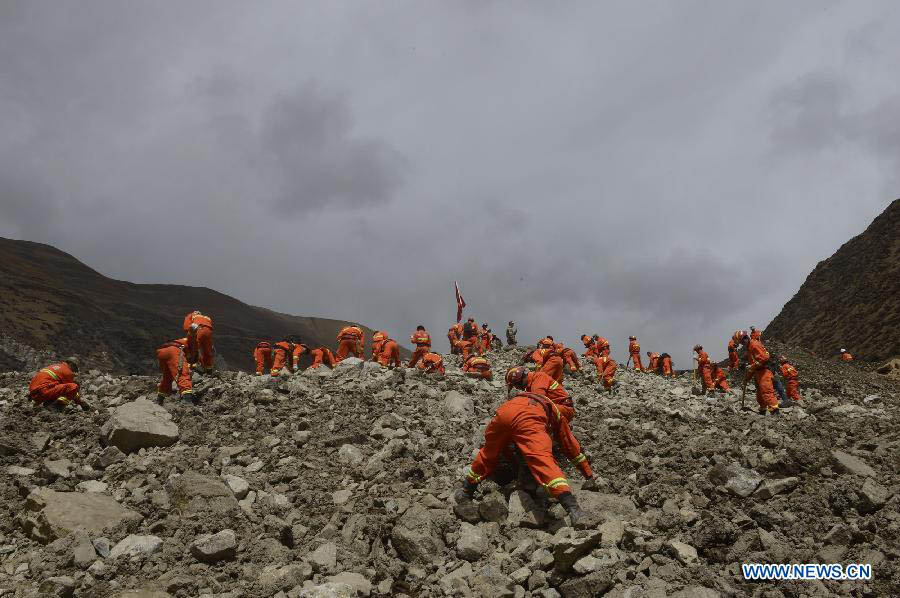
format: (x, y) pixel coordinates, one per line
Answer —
(665, 366)
(454, 335)
(350, 342)
(262, 355)
(204, 339)
(511, 332)
(634, 350)
(704, 370)
(298, 351)
(390, 354)
(432, 363)
(552, 362)
(757, 368)
(602, 347)
(570, 358)
(733, 361)
(652, 361)
(477, 366)
(845, 355)
(173, 365)
(543, 384)
(791, 377)
(55, 386)
(322, 355)
(487, 338)
(422, 340)
(606, 371)
(531, 422)
(719, 379)
(377, 340)
(589, 344)
(282, 356)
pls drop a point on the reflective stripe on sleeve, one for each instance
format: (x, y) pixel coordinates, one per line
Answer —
(51, 373)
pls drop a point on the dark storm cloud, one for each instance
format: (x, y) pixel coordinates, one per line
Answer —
(671, 170)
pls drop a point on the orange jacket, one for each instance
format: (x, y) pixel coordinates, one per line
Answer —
(545, 343)
(846, 356)
(634, 347)
(543, 384)
(553, 366)
(556, 425)
(654, 361)
(601, 347)
(420, 338)
(299, 350)
(717, 372)
(351, 333)
(195, 317)
(757, 356)
(789, 372)
(477, 363)
(702, 359)
(432, 362)
(605, 365)
(58, 373)
(282, 346)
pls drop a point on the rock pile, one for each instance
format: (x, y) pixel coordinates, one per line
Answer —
(339, 483)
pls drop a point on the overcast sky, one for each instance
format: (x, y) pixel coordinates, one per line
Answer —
(672, 170)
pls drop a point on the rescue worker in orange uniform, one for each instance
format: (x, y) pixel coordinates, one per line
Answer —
(422, 340)
(432, 363)
(262, 354)
(543, 384)
(350, 342)
(589, 344)
(665, 366)
(845, 355)
(378, 339)
(467, 343)
(553, 363)
(531, 422)
(720, 381)
(477, 366)
(204, 339)
(55, 385)
(486, 338)
(298, 351)
(733, 361)
(282, 357)
(571, 360)
(757, 368)
(454, 335)
(322, 355)
(173, 365)
(755, 335)
(704, 370)
(634, 350)
(791, 377)
(606, 371)
(602, 347)
(653, 361)
(390, 354)
(544, 347)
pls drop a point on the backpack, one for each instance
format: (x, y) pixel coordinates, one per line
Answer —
(468, 329)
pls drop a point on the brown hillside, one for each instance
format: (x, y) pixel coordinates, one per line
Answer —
(852, 299)
(50, 300)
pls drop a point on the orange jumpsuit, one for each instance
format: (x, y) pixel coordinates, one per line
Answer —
(431, 363)
(758, 356)
(467, 343)
(54, 383)
(666, 365)
(454, 335)
(543, 384)
(204, 347)
(282, 353)
(532, 422)
(298, 351)
(718, 377)
(320, 356)
(601, 347)
(654, 362)
(606, 370)
(635, 349)
(846, 356)
(390, 354)
(571, 359)
(486, 338)
(705, 370)
(351, 339)
(553, 365)
(174, 367)
(589, 346)
(733, 361)
(377, 340)
(792, 381)
(422, 340)
(477, 366)
(262, 354)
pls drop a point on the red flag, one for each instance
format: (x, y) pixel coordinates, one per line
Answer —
(460, 303)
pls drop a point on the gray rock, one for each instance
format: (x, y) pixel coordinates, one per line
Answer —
(273, 577)
(493, 507)
(415, 538)
(456, 404)
(49, 515)
(102, 546)
(215, 547)
(523, 511)
(83, 553)
(491, 581)
(109, 456)
(612, 532)
(142, 594)
(456, 582)
(134, 545)
(872, 496)
(324, 558)
(468, 510)
(697, 592)
(770, 488)
(587, 564)
(92, 486)
(60, 468)
(350, 455)
(736, 479)
(238, 486)
(685, 553)
(62, 587)
(566, 551)
(589, 586)
(608, 506)
(192, 493)
(20, 471)
(472, 544)
(356, 581)
(330, 589)
(341, 497)
(139, 424)
(846, 463)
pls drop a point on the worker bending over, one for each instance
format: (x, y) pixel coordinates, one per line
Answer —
(55, 386)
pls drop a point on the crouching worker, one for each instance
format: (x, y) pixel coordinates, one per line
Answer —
(432, 363)
(531, 422)
(322, 355)
(173, 364)
(477, 366)
(55, 386)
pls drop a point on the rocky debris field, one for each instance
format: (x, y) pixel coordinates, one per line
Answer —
(339, 483)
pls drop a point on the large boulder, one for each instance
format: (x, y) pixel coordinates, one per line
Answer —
(416, 538)
(213, 548)
(135, 545)
(738, 480)
(49, 515)
(456, 404)
(847, 463)
(192, 493)
(139, 424)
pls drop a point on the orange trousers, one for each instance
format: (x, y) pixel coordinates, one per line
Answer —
(526, 426)
(765, 390)
(390, 355)
(792, 386)
(722, 383)
(280, 360)
(706, 377)
(205, 346)
(51, 392)
(321, 356)
(263, 357)
(465, 349)
(349, 347)
(174, 368)
(733, 362)
(636, 361)
(420, 352)
(667, 367)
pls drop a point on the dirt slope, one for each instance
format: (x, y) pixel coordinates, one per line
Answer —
(852, 299)
(49, 299)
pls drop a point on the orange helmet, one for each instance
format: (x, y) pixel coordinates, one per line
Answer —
(516, 377)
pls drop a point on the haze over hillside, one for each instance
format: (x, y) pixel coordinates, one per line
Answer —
(50, 300)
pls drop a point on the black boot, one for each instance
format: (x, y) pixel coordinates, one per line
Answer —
(567, 500)
(465, 492)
